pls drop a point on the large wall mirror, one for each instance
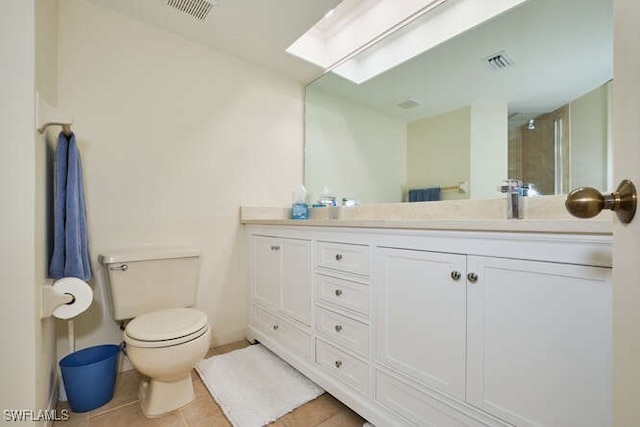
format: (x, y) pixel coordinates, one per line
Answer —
(524, 95)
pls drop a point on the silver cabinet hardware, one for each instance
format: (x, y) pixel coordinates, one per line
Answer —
(338, 363)
(275, 247)
(338, 292)
(455, 275)
(275, 327)
(122, 267)
(338, 328)
(338, 257)
(472, 277)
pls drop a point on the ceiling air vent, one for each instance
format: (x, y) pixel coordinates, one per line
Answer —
(408, 104)
(199, 9)
(498, 61)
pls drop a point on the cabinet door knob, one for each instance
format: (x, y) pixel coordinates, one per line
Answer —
(338, 292)
(275, 248)
(338, 257)
(455, 275)
(275, 327)
(472, 277)
(338, 328)
(338, 363)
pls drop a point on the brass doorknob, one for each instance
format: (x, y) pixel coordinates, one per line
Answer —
(587, 202)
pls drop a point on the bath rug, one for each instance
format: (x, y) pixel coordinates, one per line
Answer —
(253, 386)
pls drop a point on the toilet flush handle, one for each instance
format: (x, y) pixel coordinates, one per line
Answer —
(123, 267)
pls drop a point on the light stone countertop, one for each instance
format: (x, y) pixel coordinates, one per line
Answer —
(542, 215)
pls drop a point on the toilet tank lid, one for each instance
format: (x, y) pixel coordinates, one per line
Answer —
(144, 254)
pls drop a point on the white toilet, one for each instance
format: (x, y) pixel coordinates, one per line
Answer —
(153, 290)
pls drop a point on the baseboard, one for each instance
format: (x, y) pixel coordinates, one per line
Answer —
(228, 337)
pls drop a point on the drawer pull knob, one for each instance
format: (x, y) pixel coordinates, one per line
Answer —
(275, 327)
(338, 363)
(338, 292)
(275, 248)
(455, 275)
(338, 257)
(338, 328)
(473, 277)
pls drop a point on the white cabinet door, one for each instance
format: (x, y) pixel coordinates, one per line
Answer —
(420, 316)
(281, 275)
(295, 293)
(266, 271)
(539, 342)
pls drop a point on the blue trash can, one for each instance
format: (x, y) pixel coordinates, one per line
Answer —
(89, 376)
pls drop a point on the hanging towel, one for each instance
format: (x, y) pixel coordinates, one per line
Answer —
(70, 257)
(424, 195)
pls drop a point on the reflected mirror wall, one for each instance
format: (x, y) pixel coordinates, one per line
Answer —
(448, 116)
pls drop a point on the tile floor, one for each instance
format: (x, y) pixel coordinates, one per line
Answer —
(124, 408)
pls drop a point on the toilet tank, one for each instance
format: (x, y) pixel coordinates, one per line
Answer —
(146, 280)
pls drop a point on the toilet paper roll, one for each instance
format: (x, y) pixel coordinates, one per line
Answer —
(82, 297)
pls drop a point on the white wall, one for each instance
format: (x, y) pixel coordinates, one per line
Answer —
(174, 137)
(488, 149)
(19, 317)
(589, 139)
(355, 151)
(46, 55)
(438, 152)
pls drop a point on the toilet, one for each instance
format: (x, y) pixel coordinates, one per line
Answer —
(152, 292)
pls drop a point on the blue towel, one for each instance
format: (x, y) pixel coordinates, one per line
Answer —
(70, 257)
(424, 195)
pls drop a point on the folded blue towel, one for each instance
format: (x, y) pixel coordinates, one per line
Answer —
(70, 257)
(424, 195)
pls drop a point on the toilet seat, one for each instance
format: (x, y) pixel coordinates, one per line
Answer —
(164, 328)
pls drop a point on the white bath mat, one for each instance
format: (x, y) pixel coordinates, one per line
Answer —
(253, 386)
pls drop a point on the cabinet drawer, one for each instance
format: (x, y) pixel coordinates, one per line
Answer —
(414, 405)
(343, 293)
(347, 368)
(343, 257)
(291, 337)
(343, 330)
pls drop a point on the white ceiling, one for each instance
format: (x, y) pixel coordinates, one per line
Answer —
(256, 30)
(561, 48)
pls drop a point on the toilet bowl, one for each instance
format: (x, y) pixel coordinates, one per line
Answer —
(164, 346)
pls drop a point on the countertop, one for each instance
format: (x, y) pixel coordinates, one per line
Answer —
(486, 215)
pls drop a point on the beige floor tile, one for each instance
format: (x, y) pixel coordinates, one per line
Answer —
(312, 413)
(131, 415)
(230, 347)
(203, 407)
(199, 389)
(124, 408)
(75, 419)
(344, 418)
(216, 421)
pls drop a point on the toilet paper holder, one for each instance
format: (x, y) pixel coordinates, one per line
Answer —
(52, 299)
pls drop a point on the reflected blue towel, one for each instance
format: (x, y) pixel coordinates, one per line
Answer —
(424, 195)
(70, 257)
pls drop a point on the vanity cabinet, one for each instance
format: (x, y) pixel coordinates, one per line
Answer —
(421, 316)
(525, 341)
(281, 276)
(539, 342)
(441, 328)
(280, 309)
(341, 305)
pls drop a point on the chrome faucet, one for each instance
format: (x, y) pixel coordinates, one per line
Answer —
(513, 189)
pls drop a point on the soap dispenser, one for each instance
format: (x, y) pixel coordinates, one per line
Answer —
(299, 207)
